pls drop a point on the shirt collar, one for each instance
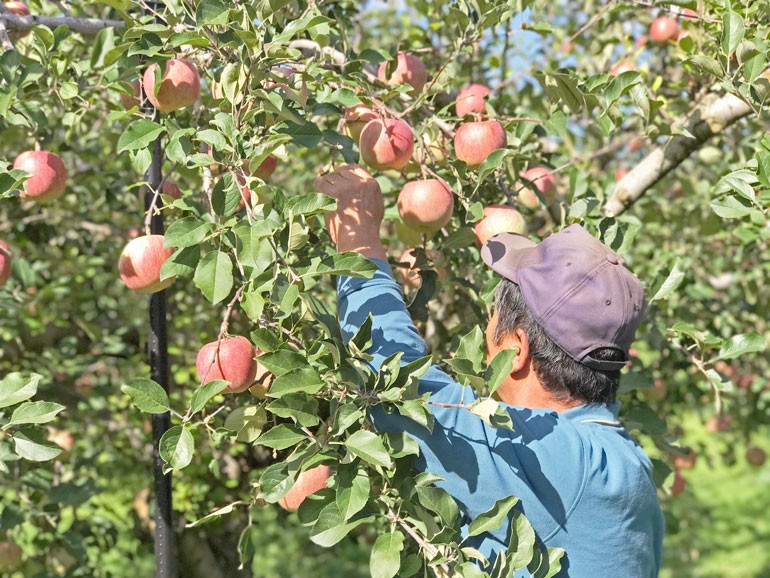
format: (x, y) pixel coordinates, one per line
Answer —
(602, 413)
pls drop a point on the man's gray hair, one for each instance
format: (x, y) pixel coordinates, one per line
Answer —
(562, 376)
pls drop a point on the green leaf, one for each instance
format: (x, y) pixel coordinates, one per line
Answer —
(204, 393)
(302, 380)
(34, 412)
(493, 518)
(30, 445)
(741, 344)
(281, 437)
(730, 208)
(493, 162)
(349, 264)
(492, 413)
(177, 447)
(550, 566)
(310, 204)
(212, 12)
(473, 348)
(439, 501)
(283, 361)
(522, 542)
(733, 31)
(214, 276)
(299, 406)
(139, 134)
(499, 368)
(147, 395)
(15, 388)
(670, 284)
(248, 422)
(385, 559)
(330, 527)
(706, 64)
(352, 494)
(186, 232)
(369, 447)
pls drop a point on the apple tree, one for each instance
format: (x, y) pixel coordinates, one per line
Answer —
(643, 122)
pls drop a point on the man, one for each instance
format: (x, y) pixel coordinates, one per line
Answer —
(570, 309)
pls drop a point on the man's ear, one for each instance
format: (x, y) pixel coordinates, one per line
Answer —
(517, 340)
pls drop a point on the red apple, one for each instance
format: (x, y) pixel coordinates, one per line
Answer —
(62, 438)
(409, 70)
(308, 482)
(471, 100)
(265, 169)
(426, 205)
(355, 119)
(657, 392)
(130, 100)
(635, 144)
(49, 175)
(232, 359)
(171, 189)
(684, 461)
(756, 456)
(475, 141)
(544, 182)
(386, 143)
(623, 66)
(499, 219)
(18, 9)
(679, 485)
(718, 423)
(140, 264)
(411, 274)
(664, 29)
(10, 556)
(180, 86)
(6, 259)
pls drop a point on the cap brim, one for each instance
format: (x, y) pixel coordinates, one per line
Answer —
(504, 252)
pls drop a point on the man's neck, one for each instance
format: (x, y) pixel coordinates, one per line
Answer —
(529, 392)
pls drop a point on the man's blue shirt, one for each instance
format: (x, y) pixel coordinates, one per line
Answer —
(584, 483)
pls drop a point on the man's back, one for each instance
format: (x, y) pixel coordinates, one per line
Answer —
(584, 484)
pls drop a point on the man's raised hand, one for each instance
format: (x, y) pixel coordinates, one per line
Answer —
(355, 225)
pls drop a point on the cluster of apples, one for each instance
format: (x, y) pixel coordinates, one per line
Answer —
(426, 205)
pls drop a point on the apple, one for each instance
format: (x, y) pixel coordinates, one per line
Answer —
(386, 143)
(679, 485)
(355, 119)
(230, 358)
(49, 175)
(544, 182)
(426, 205)
(308, 482)
(6, 259)
(18, 9)
(475, 141)
(499, 219)
(635, 144)
(663, 29)
(718, 423)
(264, 171)
(130, 100)
(180, 86)
(171, 189)
(756, 456)
(684, 461)
(471, 100)
(62, 438)
(411, 274)
(409, 70)
(623, 66)
(657, 392)
(140, 264)
(10, 556)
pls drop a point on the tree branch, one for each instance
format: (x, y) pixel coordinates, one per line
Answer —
(82, 25)
(709, 117)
